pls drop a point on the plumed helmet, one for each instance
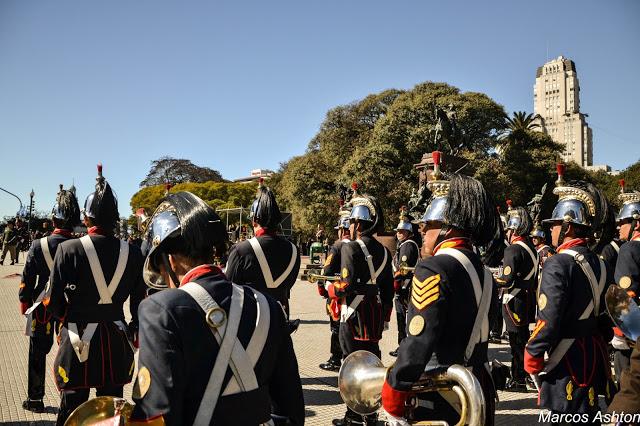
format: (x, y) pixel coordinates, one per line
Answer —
(537, 233)
(102, 205)
(366, 209)
(630, 205)
(182, 223)
(66, 211)
(265, 210)
(406, 221)
(519, 221)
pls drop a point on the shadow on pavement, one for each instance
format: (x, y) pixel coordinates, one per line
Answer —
(302, 321)
(327, 380)
(516, 404)
(321, 397)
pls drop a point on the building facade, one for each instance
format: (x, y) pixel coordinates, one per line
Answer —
(556, 99)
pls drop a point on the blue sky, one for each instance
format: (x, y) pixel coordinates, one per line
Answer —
(242, 85)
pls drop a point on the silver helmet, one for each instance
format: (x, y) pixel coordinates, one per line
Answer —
(630, 205)
(406, 221)
(537, 233)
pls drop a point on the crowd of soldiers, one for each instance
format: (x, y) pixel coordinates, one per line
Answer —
(214, 343)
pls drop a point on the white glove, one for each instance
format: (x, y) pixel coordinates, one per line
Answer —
(536, 381)
(393, 420)
(386, 325)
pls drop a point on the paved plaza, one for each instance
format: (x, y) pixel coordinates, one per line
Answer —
(311, 344)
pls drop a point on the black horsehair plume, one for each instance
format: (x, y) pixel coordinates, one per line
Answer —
(603, 223)
(105, 203)
(267, 213)
(201, 229)
(471, 209)
(68, 206)
(526, 224)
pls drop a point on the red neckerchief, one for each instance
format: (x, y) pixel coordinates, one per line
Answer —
(97, 230)
(516, 239)
(573, 243)
(635, 236)
(200, 271)
(63, 232)
(262, 231)
(456, 242)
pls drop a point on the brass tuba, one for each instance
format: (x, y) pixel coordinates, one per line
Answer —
(404, 268)
(362, 375)
(116, 410)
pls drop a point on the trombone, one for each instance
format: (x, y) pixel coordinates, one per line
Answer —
(314, 278)
(404, 268)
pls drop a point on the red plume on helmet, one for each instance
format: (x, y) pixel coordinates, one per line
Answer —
(621, 183)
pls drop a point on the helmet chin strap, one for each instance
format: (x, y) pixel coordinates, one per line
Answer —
(441, 235)
(632, 229)
(563, 230)
(167, 266)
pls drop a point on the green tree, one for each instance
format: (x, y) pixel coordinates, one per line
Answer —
(178, 170)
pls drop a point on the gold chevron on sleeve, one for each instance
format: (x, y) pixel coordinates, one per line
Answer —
(425, 292)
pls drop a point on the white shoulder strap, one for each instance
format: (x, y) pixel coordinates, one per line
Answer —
(480, 330)
(105, 291)
(597, 286)
(534, 259)
(229, 332)
(372, 271)
(264, 265)
(615, 246)
(46, 252)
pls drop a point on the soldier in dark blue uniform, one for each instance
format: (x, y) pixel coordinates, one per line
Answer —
(407, 254)
(627, 272)
(573, 327)
(332, 267)
(539, 240)
(365, 286)
(520, 268)
(211, 352)
(268, 262)
(34, 291)
(91, 279)
(451, 296)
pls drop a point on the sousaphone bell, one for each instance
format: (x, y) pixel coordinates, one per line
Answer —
(362, 376)
(101, 411)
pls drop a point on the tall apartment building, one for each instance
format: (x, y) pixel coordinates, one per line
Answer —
(556, 98)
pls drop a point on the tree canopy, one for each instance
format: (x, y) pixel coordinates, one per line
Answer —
(178, 170)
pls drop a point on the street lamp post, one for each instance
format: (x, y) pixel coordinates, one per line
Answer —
(11, 193)
(31, 194)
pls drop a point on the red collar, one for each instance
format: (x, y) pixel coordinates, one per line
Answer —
(517, 238)
(573, 243)
(262, 231)
(200, 271)
(63, 232)
(97, 230)
(635, 236)
(457, 243)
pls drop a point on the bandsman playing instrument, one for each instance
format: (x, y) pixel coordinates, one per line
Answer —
(627, 273)
(451, 297)
(34, 290)
(91, 279)
(365, 287)
(211, 352)
(520, 268)
(573, 327)
(407, 254)
(268, 262)
(332, 267)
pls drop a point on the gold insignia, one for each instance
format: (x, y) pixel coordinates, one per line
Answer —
(33, 325)
(329, 259)
(345, 272)
(142, 384)
(569, 390)
(133, 364)
(608, 391)
(592, 396)
(516, 317)
(416, 325)
(48, 328)
(542, 301)
(404, 258)
(625, 282)
(63, 374)
(507, 270)
(539, 326)
(424, 293)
